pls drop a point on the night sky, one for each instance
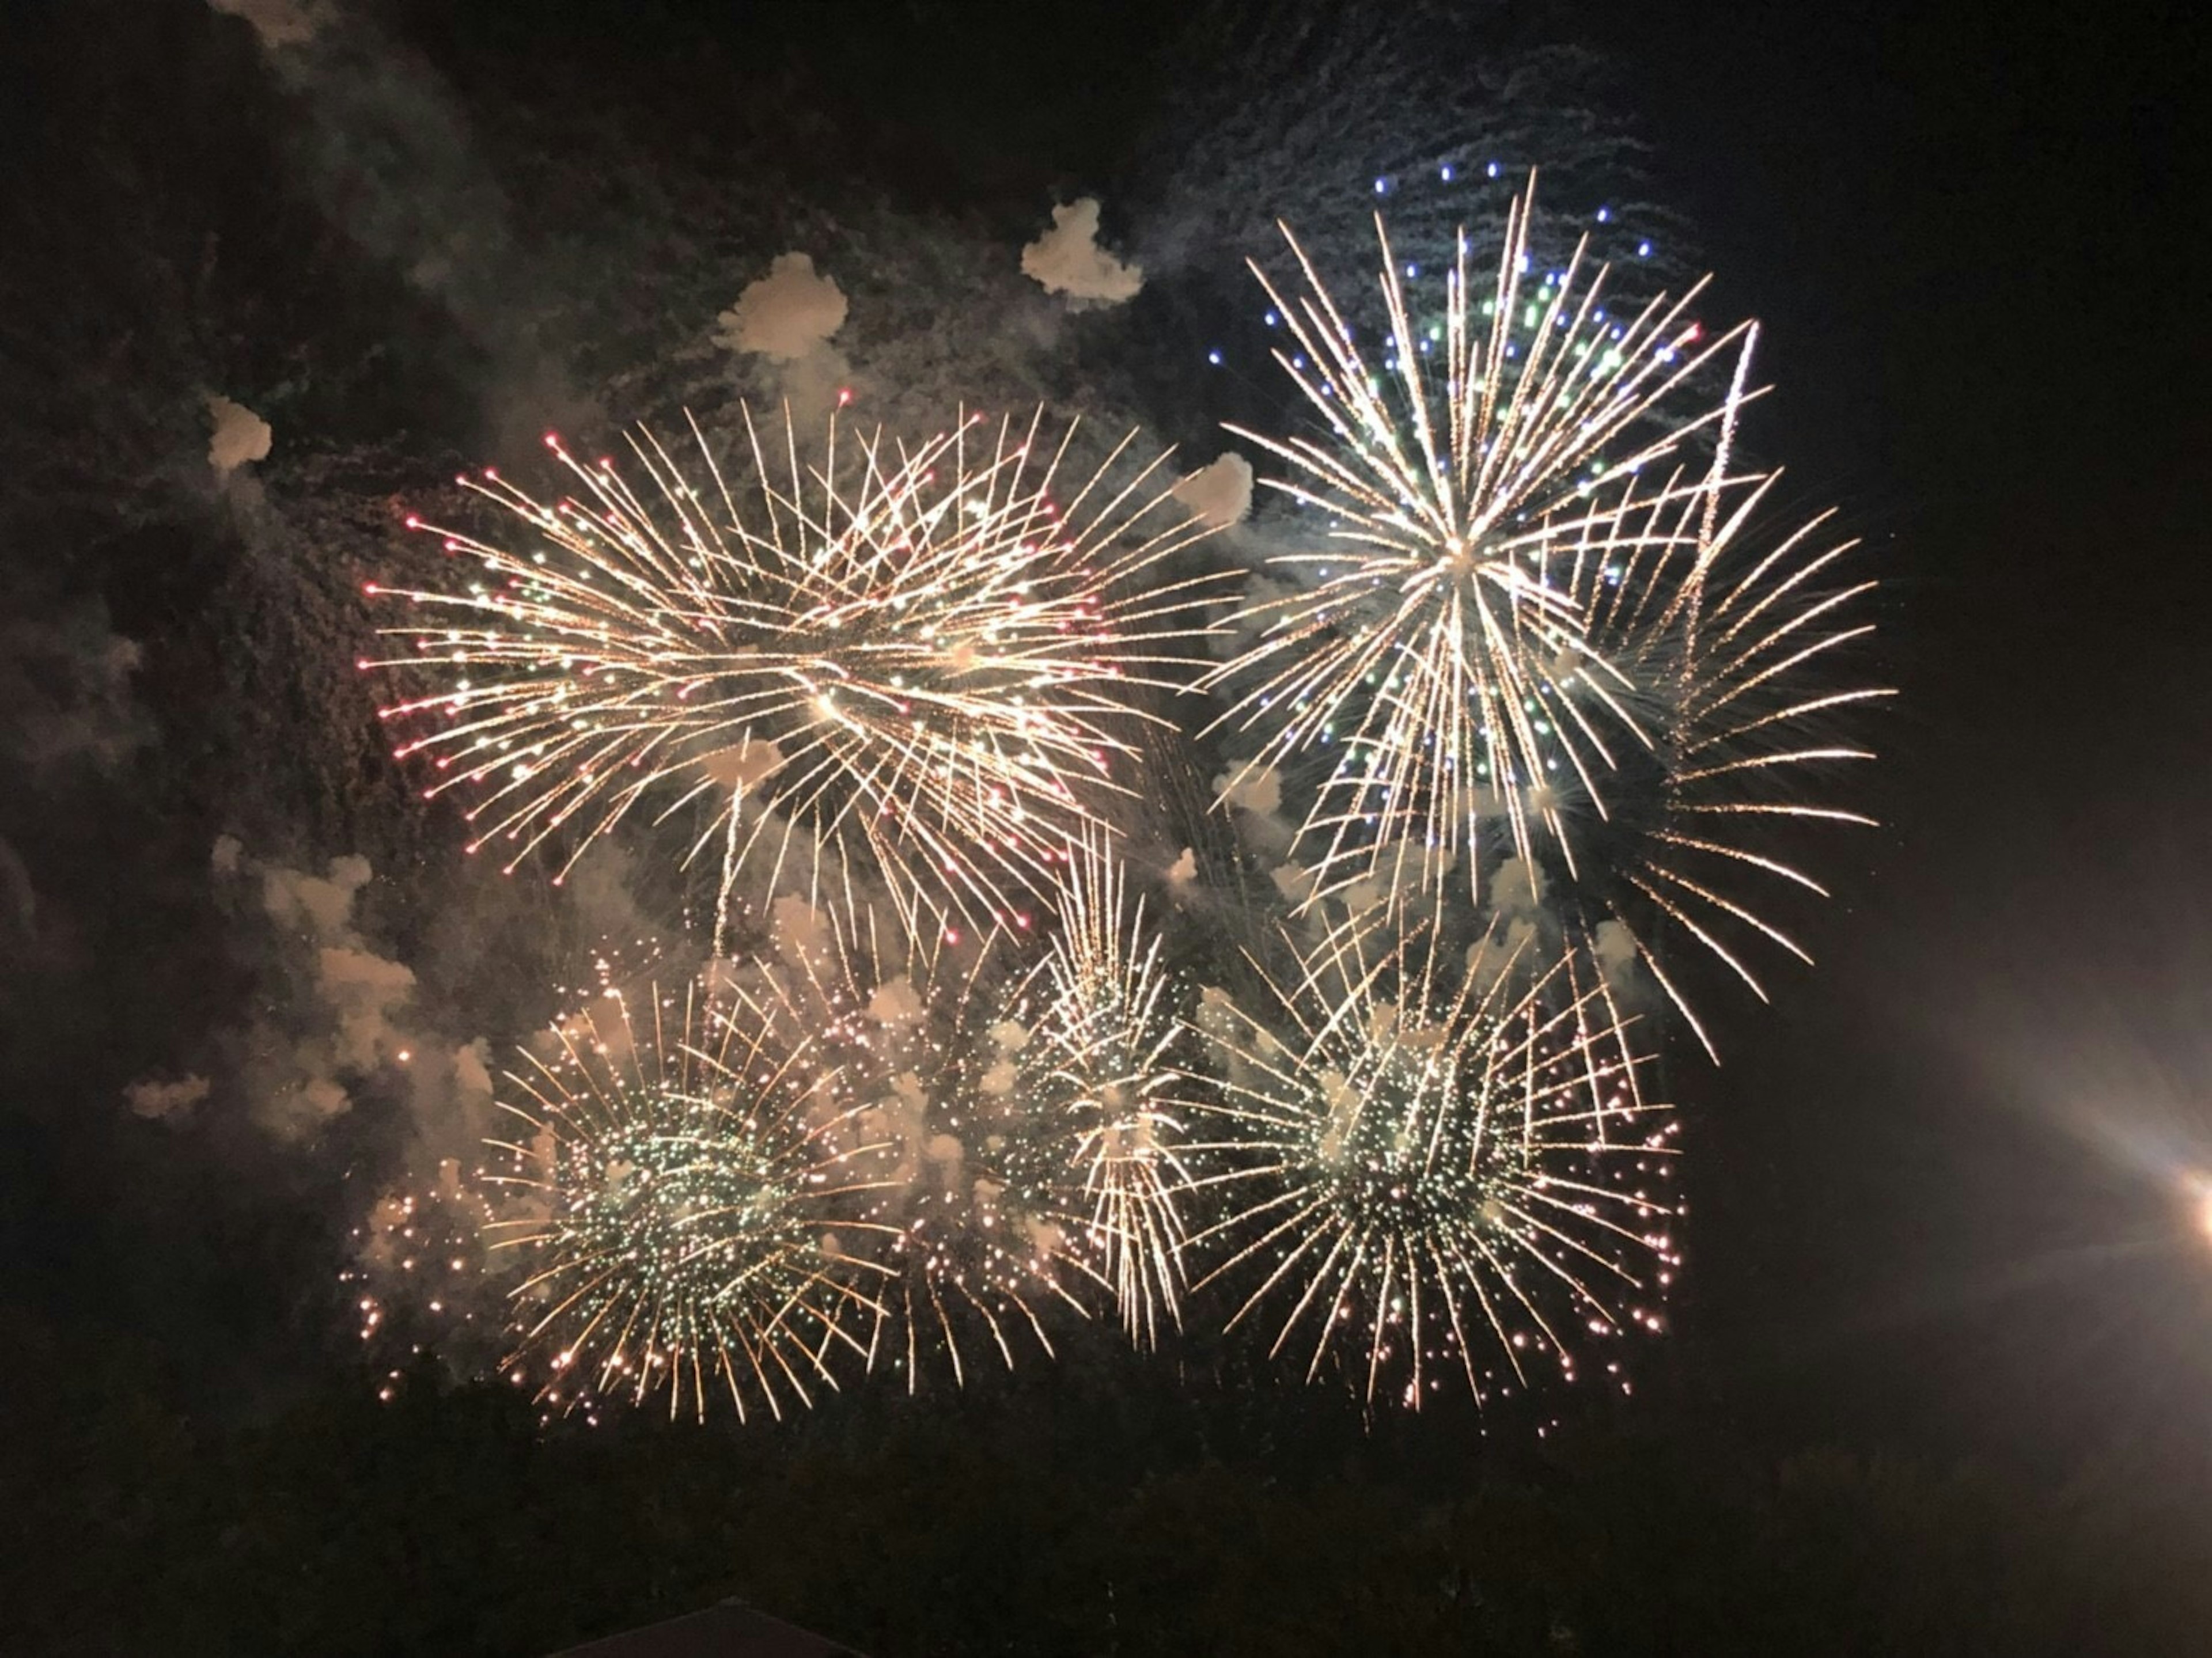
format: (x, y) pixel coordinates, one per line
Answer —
(1945, 1190)
(1923, 1213)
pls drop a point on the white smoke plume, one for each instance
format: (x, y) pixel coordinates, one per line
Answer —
(1219, 493)
(346, 1016)
(787, 318)
(1255, 789)
(299, 1077)
(787, 314)
(165, 1102)
(1068, 259)
(1614, 946)
(238, 437)
(1516, 889)
(895, 1002)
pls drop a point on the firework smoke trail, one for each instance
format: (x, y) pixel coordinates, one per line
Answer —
(1413, 1157)
(1511, 633)
(905, 663)
(672, 1184)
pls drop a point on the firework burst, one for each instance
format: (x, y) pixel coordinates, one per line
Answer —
(1513, 642)
(1100, 1091)
(1416, 1158)
(893, 663)
(673, 1190)
(966, 1251)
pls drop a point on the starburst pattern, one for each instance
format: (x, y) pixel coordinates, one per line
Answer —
(1417, 1158)
(669, 1189)
(909, 666)
(1514, 637)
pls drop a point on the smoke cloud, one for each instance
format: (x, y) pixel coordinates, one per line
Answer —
(238, 437)
(165, 1102)
(279, 22)
(1068, 259)
(65, 692)
(342, 1019)
(1219, 495)
(787, 314)
(1614, 946)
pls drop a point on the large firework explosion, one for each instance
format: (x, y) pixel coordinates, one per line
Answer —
(1532, 626)
(670, 1185)
(1421, 1158)
(1538, 679)
(913, 666)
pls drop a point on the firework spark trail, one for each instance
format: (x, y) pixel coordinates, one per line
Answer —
(1762, 620)
(905, 663)
(419, 1251)
(671, 1185)
(1412, 1156)
(1516, 621)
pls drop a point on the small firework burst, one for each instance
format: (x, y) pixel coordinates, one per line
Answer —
(1416, 1155)
(906, 665)
(1100, 1089)
(416, 1274)
(679, 1172)
(968, 1250)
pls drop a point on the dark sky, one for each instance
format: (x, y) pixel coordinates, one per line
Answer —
(1941, 1186)
(1968, 231)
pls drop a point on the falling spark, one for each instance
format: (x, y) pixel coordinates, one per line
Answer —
(1102, 1092)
